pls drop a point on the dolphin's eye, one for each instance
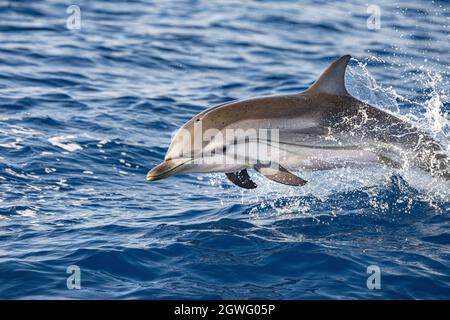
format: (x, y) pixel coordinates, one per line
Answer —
(224, 149)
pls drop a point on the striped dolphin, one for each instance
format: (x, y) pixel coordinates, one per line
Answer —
(321, 128)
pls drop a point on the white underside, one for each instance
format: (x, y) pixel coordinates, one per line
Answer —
(300, 157)
(289, 156)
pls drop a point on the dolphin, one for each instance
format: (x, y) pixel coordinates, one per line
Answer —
(321, 128)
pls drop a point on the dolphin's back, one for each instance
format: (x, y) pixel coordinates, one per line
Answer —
(389, 135)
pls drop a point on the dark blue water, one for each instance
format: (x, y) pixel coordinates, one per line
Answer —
(84, 114)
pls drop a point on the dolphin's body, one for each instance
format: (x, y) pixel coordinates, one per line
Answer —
(321, 128)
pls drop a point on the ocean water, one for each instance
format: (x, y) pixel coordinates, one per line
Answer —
(85, 113)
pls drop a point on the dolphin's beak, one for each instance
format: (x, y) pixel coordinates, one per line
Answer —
(166, 169)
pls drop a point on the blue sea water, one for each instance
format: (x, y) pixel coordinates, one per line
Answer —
(85, 113)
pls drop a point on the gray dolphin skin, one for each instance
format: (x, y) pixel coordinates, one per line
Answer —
(321, 128)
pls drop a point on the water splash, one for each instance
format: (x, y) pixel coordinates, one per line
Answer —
(274, 200)
(427, 112)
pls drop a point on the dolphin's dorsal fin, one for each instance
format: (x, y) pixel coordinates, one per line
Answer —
(332, 80)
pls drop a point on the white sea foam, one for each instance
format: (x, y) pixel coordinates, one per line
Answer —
(13, 144)
(101, 143)
(29, 213)
(62, 142)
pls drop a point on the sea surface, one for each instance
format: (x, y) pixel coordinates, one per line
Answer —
(86, 112)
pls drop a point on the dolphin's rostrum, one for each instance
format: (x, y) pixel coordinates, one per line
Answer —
(321, 128)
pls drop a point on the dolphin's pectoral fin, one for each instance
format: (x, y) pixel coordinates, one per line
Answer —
(278, 173)
(241, 179)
